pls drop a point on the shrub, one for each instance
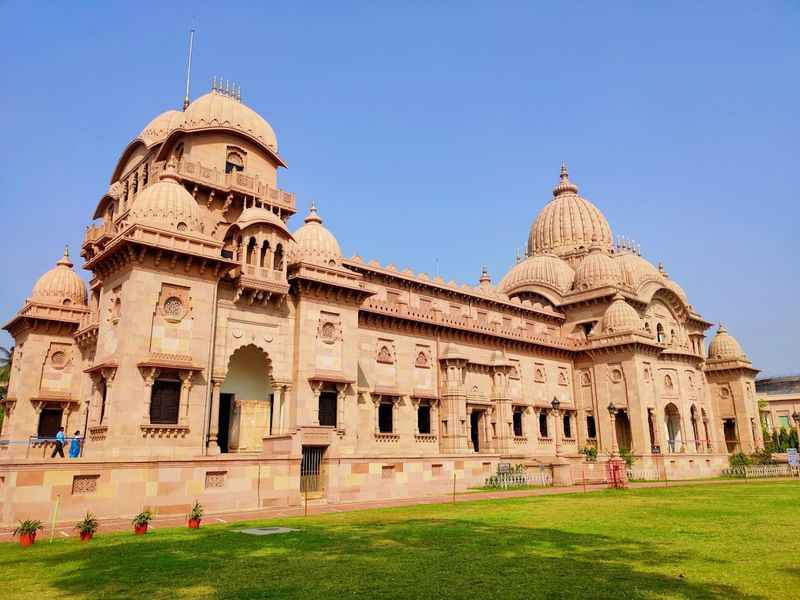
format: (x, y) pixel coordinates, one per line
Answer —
(762, 457)
(740, 459)
(625, 454)
(143, 518)
(197, 511)
(28, 527)
(589, 453)
(88, 524)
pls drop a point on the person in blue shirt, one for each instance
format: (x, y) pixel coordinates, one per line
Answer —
(75, 445)
(59, 449)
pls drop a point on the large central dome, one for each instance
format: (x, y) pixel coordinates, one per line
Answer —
(568, 223)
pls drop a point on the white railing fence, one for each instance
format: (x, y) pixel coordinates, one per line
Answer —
(761, 471)
(642, 474)
(512, 480)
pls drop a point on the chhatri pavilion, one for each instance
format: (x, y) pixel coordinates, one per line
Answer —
(222, 353)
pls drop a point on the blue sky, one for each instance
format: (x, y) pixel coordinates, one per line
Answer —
(431, 133)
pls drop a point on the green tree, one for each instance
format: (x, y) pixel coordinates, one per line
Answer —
(6, 356)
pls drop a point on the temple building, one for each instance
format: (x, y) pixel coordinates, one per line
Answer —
(222, 353)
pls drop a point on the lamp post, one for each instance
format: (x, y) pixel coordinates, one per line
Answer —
(555, 404)
(612, 413)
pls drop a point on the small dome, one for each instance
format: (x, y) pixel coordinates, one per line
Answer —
(724, 346)
(314, 241)
(167, 204)
(568, 223)
(60, 285)
(621, 316)
(636, 270)
(597, 270)
(220, 110)
(253, 215)
(159, 128)
(541, 270)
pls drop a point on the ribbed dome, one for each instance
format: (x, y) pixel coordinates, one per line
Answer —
(219, 110)
(60, 285)
(568, 222)
(671, 284)
(314, 241)
(724, 346)
(167, 204)
(620, 317)
(253, 215)
(541, 270)
(597, 270)
(636, 270)
(159, 128)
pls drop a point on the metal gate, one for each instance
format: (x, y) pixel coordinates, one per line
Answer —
(311, 477)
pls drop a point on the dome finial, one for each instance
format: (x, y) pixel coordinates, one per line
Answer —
(485, 280)
(64, 260)
(313, 217)
(722, 328)
(565, 186)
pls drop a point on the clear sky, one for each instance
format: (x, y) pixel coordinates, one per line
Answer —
(431, 133)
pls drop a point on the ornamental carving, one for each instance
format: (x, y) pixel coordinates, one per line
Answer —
(329, 328)
(539, 374)
(586, 379)
(616, 375)
(174, 302)
(423, 360)
(385, 354)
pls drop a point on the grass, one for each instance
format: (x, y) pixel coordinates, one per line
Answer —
(712, 541)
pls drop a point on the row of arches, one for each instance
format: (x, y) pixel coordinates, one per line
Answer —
(263, 255)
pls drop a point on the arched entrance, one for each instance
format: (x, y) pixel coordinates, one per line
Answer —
(622, 425)
(672, 422)
(731, 436)
(245, 401)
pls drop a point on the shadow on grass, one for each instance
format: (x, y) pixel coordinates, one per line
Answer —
(449, 558)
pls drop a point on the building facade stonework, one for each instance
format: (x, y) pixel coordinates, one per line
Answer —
(218, 355)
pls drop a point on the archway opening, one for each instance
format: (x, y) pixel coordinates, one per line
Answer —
(245, 411)
(622, 424)
(672, 421)
(731, 437)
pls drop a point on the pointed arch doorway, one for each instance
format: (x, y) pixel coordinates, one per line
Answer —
(245, 401)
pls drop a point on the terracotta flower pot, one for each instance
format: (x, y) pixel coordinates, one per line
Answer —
(86, 535)
(140, 529)
(27, 539)
(194, 523)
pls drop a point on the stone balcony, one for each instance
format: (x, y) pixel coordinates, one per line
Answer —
(97, 234)
(239, 182)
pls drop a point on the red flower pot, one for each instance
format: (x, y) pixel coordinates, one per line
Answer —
(194, 523)
(26, 539)
(86, 535)
(140, 529)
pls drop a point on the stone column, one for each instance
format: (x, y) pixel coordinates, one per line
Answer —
(376, 403)
(556, 432)
(108, 375)
(316, 389)
(213, 429)
(341, 398)
(415, 408)
(183, 407)
(613, 418)
(150, 374)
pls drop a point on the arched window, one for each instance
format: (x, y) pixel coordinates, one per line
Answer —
(567, 427)
(234, 163)
(660, 337)
(278, 262)
(543, 425)
(264, 254)
(251, 251)
(518, 431)
(179, 152)
(591, 428)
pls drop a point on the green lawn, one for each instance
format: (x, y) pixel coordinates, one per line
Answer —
(713, 541)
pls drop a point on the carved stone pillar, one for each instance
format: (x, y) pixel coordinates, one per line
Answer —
(150, 374)
(213, 430)
(341, 398)
(108, 375)
(316, 389)
(186, 387)
(415, 408)
(376, 402)
(556, 433)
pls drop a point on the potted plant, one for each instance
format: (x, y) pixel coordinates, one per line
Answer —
(141, 521)
(195, 516)
(87, 527)
(27, 531)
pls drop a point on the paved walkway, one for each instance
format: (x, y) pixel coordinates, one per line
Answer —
(66, 529)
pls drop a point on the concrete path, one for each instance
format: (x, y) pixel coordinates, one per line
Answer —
(66, 529)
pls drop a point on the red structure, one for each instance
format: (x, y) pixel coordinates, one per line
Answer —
(615, 473)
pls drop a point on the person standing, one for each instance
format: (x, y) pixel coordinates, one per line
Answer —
(75, 445)
(59, 449)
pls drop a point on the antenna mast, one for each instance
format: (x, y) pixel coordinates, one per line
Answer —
(188, 70)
